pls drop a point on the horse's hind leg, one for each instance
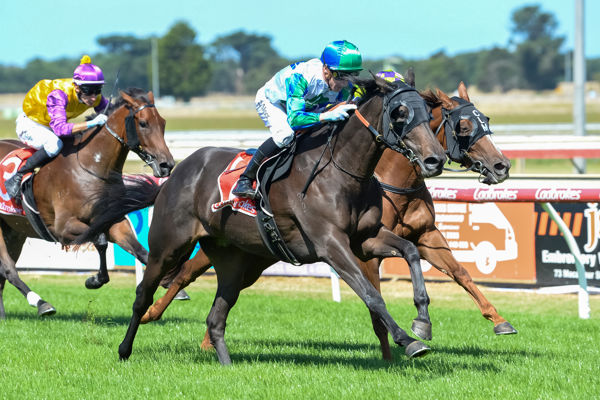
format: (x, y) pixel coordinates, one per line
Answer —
(235, 271)
(190, 270)
(7, 255)
(343, 261)
(98, 280)
(386, 244)
(434, 248)
(371, 271)
(122, 234)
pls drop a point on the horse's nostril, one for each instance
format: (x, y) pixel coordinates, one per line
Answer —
(433, 162)
(501, 167)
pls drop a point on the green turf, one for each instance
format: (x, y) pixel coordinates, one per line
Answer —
(289, 340)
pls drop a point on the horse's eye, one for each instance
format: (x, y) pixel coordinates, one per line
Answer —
(143, 123)
(400, 114)
(466, 127)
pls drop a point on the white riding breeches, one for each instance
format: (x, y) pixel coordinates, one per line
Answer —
(38, 136)
(275, 118)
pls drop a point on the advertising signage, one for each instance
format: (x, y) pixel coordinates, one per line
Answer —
(555, 265)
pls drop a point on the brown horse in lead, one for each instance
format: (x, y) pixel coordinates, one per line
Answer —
(338, 220)
(408, 208)
(64, 188)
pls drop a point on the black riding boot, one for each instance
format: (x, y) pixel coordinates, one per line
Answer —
(37, 159)
(244, 184)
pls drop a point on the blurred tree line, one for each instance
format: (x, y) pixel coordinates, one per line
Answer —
(240, 62)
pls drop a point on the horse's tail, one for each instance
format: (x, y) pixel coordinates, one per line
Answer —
(119, 197)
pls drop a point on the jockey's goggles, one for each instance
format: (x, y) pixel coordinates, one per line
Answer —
(343, 74)
(90, 89)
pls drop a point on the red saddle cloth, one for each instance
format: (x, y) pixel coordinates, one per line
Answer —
(226, 182)
(9, 166)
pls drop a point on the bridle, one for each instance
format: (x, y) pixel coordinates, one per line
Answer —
(406, 96)
(133, 139)
(458, 146)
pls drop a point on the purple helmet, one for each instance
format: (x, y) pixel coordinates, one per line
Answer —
(87, 73)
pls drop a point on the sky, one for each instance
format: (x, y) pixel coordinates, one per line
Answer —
(299, 29)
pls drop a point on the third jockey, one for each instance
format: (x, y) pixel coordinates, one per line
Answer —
(46, 109)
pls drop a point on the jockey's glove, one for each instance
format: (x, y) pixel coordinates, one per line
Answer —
(337, 114)
(100, 119)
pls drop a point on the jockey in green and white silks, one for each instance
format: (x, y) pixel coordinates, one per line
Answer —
(294, 98)
(297, 97)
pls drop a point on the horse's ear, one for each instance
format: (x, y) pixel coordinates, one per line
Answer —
(127, 98)
(151, 97)
(446, 101)
(410, 76)
(462, 91)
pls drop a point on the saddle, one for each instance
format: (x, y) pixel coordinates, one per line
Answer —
(271, 170)
(24, 206)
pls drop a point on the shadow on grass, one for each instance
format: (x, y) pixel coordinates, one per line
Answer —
(443, 360)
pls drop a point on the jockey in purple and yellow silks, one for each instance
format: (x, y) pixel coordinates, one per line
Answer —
(386, 74)
(46, 110)
(297, 97)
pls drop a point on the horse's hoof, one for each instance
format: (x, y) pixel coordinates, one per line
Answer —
(145, 319)
(504, 328)
(45, 309)
(422, 329)
(182, 295)
(416, 349)
(94, 283)
(148, 318)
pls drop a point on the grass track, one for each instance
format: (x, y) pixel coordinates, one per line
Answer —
(288, 340)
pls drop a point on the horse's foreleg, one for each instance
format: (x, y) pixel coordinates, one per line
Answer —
(143, 298)
(190, 270)
(233, 275)
(344, 263)
(122, 234)
(371, 271)
(98, 280)
(386, 244)
(434, 248)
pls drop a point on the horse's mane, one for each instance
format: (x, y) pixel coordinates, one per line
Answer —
(431, 98)
(134, 92)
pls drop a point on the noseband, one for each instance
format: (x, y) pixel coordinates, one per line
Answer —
(133, 139)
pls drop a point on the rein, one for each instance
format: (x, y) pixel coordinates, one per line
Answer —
(397, 190)
(313, 173)
(405, 151)
(389, 137)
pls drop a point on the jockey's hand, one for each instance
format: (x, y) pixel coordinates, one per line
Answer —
(100, 119)
(337, 114)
